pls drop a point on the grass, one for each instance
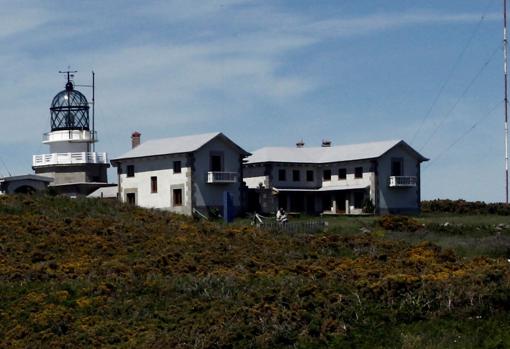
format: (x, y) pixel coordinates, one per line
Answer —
(468, 235)
(89, 273)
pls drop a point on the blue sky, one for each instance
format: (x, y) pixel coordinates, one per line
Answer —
(268, 73)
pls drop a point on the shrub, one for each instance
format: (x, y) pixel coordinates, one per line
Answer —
(399, 223)
(465, 207)
(368, 206)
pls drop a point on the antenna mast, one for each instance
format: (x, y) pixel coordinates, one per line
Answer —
(93, 111)
(505, 68)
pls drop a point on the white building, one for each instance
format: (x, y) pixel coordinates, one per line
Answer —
(76, 169)
(181, 174)
(335, 179)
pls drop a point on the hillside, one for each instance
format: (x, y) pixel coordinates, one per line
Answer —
(87, 273)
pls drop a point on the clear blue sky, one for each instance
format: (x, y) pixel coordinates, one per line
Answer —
(268, 73)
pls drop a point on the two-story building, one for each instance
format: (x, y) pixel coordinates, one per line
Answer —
(181, 174)
(344, 179)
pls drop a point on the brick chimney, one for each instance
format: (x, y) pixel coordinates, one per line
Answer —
(135, 139)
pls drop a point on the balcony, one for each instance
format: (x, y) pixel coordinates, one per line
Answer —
(221, 177)
(402, 181)
(70, 136)
(69, 159)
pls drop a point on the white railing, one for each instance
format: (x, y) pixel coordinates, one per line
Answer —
(70, 136)
(402, 181)
(221, 177)
(69, 158)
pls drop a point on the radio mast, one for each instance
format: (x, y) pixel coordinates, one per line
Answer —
(505, 69)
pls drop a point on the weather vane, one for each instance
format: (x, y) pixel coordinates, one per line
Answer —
(69, 72)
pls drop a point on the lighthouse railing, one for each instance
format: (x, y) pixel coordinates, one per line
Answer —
(69, 158)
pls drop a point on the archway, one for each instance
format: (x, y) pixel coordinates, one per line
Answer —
(24, 189)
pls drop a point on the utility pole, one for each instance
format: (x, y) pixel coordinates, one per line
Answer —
(505, 68)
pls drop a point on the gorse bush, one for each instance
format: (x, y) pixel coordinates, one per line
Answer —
(465, 207)
(399, 223)
(87, 273)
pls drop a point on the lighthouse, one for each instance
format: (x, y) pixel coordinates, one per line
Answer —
(76, 168)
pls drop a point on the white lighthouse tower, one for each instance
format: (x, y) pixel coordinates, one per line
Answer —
(73, 164)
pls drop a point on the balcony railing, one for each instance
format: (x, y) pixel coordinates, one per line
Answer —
(402, 181)
(221, 177)
(70, 136)
(69, 159)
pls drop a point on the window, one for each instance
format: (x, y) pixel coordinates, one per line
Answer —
(177, 167)
(358, 172)
(282, 175)
(154, 184)
(326, 175)
(342, 173)
(177, 197)
(216, 163)
(295, 175)
(396, 167)
(131, 170)
(309, 176)
(131, 198)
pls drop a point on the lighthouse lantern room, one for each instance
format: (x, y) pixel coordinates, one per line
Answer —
(72, 162)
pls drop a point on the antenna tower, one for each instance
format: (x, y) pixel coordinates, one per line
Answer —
(505, 69)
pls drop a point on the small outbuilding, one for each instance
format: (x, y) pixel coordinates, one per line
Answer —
(24, 184)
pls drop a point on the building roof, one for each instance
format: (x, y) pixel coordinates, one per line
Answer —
(104, 192)
(26, 177)
(318, 155)
(175, 145)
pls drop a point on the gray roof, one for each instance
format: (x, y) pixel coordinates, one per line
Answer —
(174, 145)
(104, 192)
(27, 177)
(318, 155)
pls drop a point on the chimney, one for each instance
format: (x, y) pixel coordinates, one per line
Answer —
(300, 144)
(135, 139)
(326, 143)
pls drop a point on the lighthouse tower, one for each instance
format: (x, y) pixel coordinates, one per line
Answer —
(73, 164)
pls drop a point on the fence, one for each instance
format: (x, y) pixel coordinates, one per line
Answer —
(269, 224)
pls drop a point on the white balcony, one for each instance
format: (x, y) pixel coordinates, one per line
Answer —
(402, 181)
(221, 177)
(70, 136)
(69, 159)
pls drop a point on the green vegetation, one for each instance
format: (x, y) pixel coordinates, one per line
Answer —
(88, 273)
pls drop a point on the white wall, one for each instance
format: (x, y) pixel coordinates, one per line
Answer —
(197, 193)
(253, 176)
(68, 147)
(162, 168)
